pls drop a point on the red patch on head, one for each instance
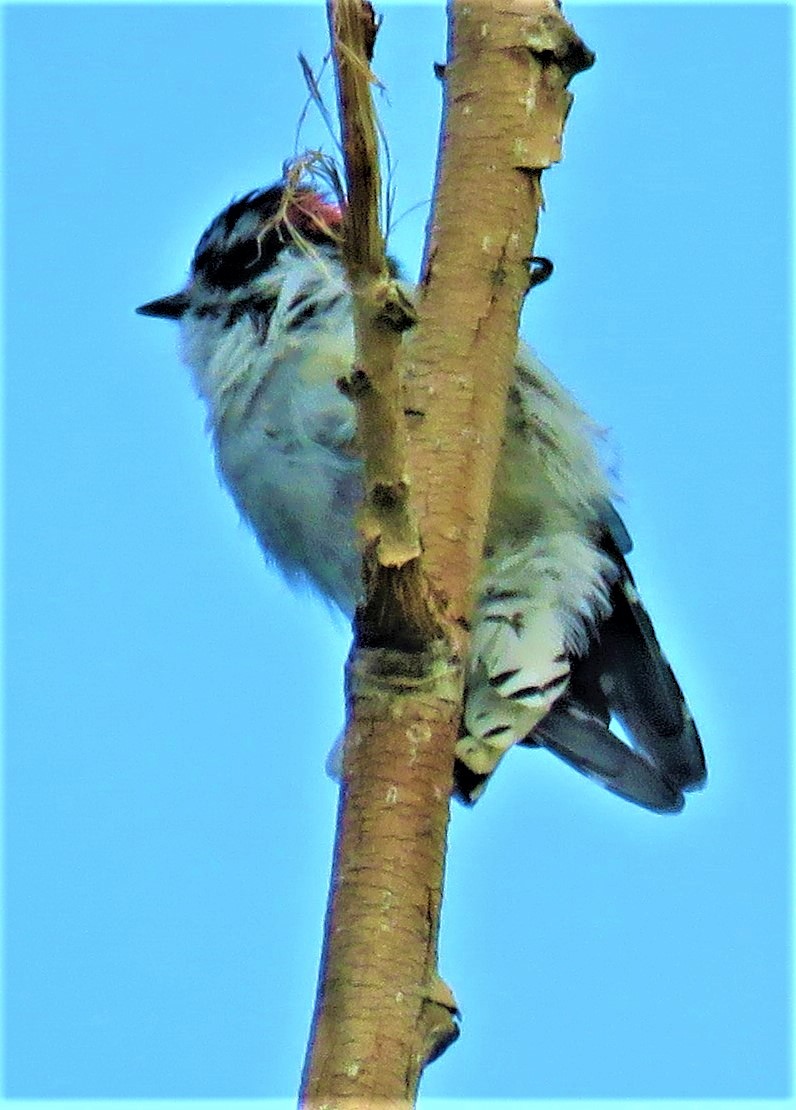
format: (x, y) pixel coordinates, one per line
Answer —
(314, 216)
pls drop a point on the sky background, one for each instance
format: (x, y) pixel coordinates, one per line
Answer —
(170, 704)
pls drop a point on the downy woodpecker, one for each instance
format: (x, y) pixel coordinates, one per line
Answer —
(561, 643)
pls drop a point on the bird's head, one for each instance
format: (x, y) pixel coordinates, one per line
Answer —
(244, 242)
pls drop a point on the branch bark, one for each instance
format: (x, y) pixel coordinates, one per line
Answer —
(506, 102)
(382, 1010)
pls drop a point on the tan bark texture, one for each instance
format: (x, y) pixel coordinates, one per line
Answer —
(505, 105)
(382, 1011)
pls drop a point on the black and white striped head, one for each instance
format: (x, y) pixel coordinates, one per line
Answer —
(243, 243)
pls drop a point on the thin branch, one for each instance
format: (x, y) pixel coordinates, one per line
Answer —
(382, 313)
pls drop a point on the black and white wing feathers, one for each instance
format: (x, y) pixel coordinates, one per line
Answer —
(625, 675)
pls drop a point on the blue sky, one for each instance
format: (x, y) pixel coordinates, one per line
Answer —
(169, 703)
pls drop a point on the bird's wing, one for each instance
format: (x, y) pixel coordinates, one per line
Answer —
(625, 675)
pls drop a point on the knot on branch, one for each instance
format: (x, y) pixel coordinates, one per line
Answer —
(439, 1030)
(386, 524)
(394, 308)
(356, 385)
(551, 38)
(388, 495)
(438, 1025)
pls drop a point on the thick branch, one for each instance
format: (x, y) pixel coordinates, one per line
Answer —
(505, 107)
(382, 1011)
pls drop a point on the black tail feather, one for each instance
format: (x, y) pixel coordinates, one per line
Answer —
(644, 694)
(585, 742)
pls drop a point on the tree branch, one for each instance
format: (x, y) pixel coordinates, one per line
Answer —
(505, 106)
(381, 314)
(382, 1011)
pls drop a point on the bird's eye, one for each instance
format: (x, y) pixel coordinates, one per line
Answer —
(237, 265)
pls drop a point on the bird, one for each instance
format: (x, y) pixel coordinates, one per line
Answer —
(562, 648)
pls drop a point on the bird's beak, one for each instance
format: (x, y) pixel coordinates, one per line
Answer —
(169, 308)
